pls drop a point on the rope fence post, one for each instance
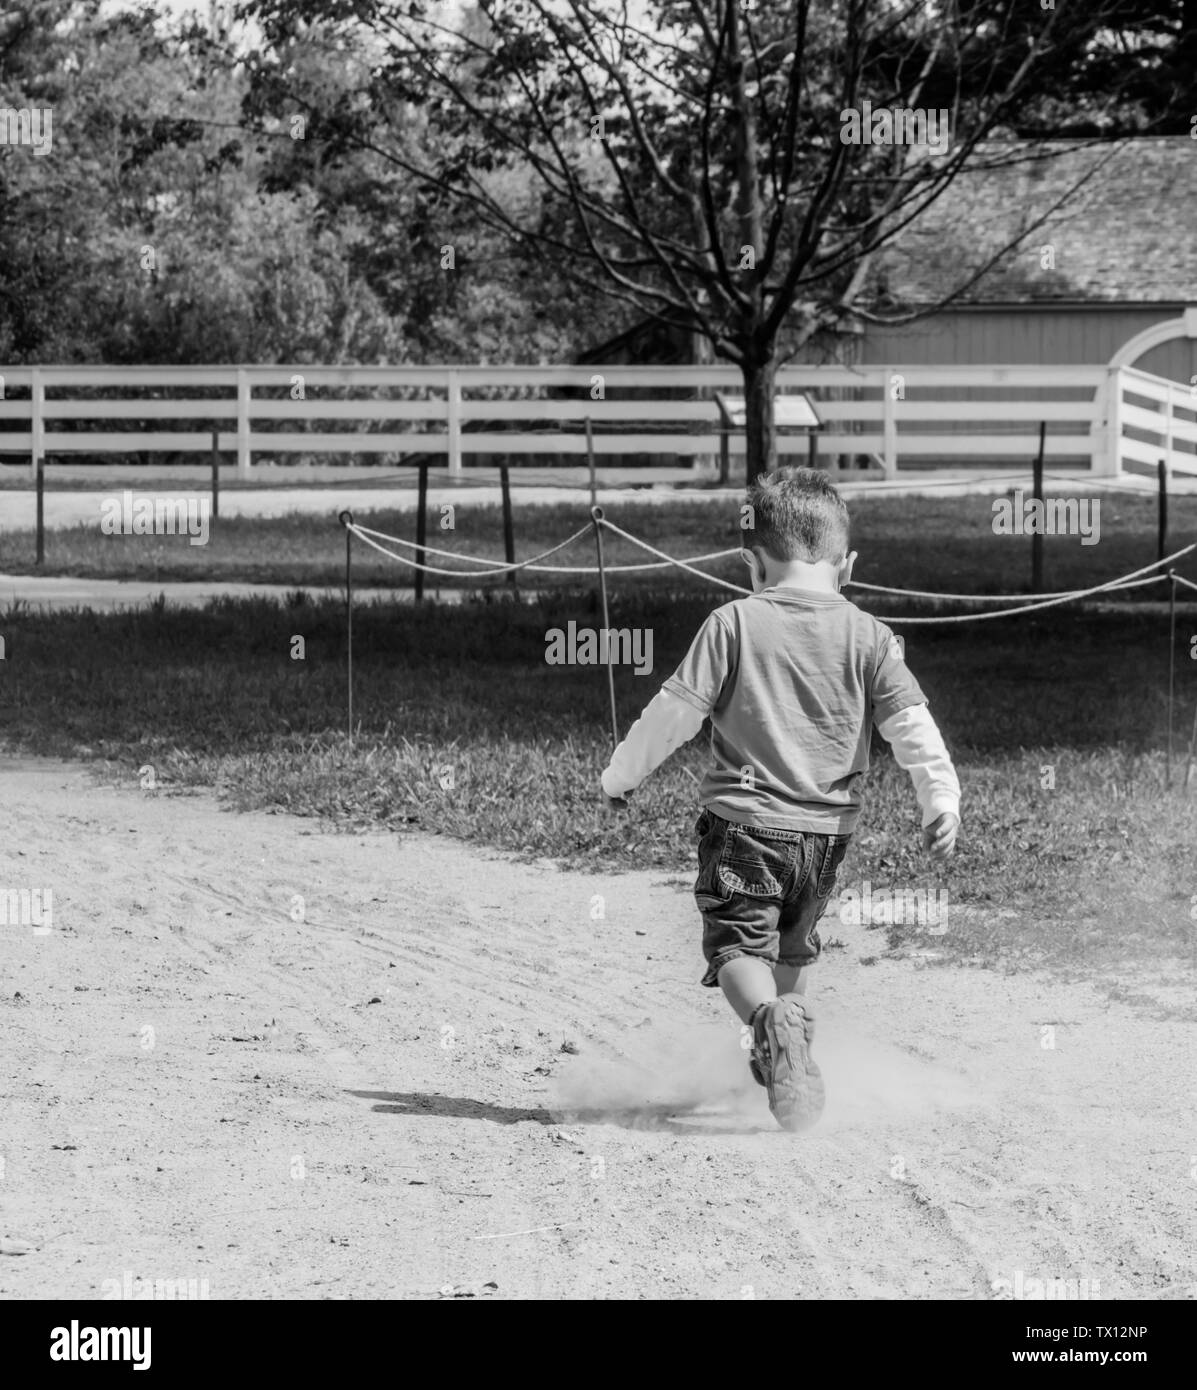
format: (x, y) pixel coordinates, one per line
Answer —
(1037, 537)
(508, 527)
(596, 515)
(1171, 673)
(1189, 755)
(1191, 751)
(594, 502)
(348, 523)
(421, 528)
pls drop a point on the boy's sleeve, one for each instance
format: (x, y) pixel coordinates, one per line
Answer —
(676, 713)
(666, 723)
(706, 666)
(919, 748)
(894, 687)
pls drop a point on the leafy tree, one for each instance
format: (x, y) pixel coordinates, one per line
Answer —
(692, 159)
(143, 235)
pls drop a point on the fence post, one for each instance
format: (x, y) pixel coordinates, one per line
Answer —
(453, 392)
(508, 528)
(725, 426)
(1171, 675)
(40, 465)
(243, 421)
(215, 473)
(1037, 493)
(37, 423)
(889, 426)
(1162, 541)
(421, 528)
(1111, 460)
(1168, 418)
(590, 461)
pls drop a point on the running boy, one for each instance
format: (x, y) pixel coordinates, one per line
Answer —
(793, 678)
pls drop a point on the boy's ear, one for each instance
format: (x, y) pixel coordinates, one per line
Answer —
(845, 571)
(755, 568)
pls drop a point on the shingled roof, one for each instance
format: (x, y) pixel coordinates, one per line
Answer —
(1129, 235)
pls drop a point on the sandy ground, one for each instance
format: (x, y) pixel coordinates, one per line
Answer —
(103, 595)
(365, 1094)
(49, 592)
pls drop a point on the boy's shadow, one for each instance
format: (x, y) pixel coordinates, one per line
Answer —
(667, 1118)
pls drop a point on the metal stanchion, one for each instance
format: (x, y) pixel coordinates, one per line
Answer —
(341, 517)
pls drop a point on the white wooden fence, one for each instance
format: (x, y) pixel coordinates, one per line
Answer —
(1161, 410)
(932, 415)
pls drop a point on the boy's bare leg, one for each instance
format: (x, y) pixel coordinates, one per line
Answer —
(747, 982)
(790, 979)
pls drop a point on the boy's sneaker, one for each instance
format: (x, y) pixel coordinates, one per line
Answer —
(782, 1031)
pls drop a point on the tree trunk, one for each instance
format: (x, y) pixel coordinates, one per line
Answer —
(761, 436)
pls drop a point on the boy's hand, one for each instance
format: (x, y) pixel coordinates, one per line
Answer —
(939, 838)
(614, 803)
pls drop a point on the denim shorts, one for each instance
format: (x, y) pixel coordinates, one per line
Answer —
(761, 892)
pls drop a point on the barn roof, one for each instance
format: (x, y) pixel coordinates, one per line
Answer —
(1127, 235)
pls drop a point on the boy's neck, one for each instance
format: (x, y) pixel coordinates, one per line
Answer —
(797, 574)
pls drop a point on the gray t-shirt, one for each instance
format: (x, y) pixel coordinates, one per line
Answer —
(793, 680)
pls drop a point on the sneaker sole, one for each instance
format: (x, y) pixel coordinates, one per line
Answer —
(792, 1078)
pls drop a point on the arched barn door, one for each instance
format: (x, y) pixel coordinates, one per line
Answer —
(1148, 405)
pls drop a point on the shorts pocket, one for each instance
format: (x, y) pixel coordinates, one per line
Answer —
(755, 867)
(708, 892)
(833, 856)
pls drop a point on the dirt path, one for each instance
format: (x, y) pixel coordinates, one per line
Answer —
(104, 595)
(373, 1101)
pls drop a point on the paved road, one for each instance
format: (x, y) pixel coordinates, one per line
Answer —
(67, 509)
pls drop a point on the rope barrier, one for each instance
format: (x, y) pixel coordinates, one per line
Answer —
(1124, 581)
(459, 574)
(598, 522)
(681, 564)
(546, 569)
(1134, 579)
(980, 598)
(1113, 585)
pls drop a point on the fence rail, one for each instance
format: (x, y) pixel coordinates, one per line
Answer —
(1102, 417)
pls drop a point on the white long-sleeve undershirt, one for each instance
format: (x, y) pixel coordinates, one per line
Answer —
(668, 721)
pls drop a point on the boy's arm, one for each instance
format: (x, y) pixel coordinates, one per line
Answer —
(919, 748)
(676, 713)
(667, 722)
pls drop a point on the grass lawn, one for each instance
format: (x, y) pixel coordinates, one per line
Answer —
(944, 544)
(1092, 873)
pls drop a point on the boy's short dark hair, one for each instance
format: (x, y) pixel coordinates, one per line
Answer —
(797, 514)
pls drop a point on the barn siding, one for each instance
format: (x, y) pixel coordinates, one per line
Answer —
(1053, 336)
